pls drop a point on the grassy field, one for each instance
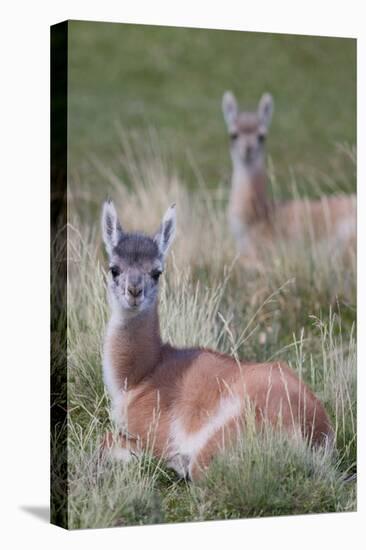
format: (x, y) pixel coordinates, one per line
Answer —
(145, 128)
(172, 80)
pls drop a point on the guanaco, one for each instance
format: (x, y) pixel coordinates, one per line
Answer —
(182, 404)
(255, 220)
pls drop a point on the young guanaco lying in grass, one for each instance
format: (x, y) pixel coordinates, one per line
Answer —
(183, 405)
(256, 221)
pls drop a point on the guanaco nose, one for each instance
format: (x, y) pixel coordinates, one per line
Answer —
(249, 152)
(134, 291)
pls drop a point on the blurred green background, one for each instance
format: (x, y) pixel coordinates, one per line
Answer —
(172, 79)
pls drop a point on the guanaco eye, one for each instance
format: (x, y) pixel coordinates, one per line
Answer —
(261, 138)
(233, 136)
(155, 274)
(115, 271)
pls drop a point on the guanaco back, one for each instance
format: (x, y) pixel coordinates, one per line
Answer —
(255, 220)
(182, 404)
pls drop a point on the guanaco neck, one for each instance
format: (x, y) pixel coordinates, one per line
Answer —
(249, 202)
(134, 347)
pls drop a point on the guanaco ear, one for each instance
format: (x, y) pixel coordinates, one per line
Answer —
(111, 228)
(166, 233)
(265, 110)
(230, 109)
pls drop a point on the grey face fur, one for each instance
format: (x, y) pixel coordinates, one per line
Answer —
(247, 130)
(136, 261)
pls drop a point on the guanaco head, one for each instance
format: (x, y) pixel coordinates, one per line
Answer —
(136, 261)
(247, 130)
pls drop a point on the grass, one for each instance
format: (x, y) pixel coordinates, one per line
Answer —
(301, 308)
(173, 79)
(298, 310)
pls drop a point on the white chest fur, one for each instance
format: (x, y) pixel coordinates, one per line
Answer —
(118, 395)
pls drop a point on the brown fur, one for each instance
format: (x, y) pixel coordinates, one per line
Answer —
(249, 201)
(331, 219)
